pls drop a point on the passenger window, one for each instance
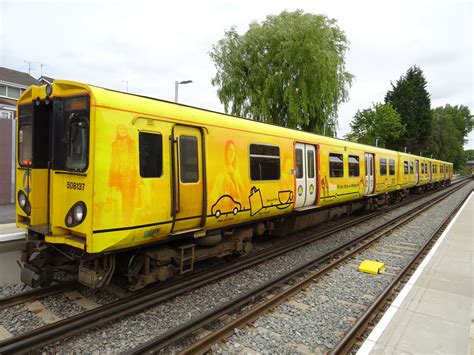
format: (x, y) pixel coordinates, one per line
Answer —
(441, 169)
(383, 166)
(391, 167)
(405, 167)
(299, 163)
(188, 158)
(353, 166)
(151, 154)
(411, 167)
(310, 165)
(264, 162)
(25, 143)
(336, 165)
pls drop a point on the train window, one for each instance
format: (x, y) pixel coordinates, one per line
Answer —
(405, 167)
(441, 169)
(151, 154)
(299, 163)
(310, 161)
(411, 167)
(422, 168)
(391, 167)
(188, 159)
(383, 166)
(353, 166)
(25, 140)
(336, 165)
(264, 162)
(77, 141)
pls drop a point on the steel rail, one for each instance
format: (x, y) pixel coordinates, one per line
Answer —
(148, 298)
(34, 294)
(182, 331)
(351, 337)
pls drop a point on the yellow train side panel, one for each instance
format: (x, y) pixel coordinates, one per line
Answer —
(388, 181)
(406, 170)
(339, 189)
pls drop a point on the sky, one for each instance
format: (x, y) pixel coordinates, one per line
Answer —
(152, 44)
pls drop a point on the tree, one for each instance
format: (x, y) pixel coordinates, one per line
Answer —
(469, 154)
(380, 122)
(450, 127)
(412, 101)
(288, 70)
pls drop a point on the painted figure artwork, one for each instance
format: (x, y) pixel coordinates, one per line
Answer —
(228, 181)
(123, 174)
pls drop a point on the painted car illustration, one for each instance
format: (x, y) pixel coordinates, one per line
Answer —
(225, 205)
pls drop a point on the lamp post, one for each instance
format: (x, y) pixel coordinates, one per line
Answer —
(176, 84)
(327, 125)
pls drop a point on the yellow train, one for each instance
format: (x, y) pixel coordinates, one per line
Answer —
(111, 182)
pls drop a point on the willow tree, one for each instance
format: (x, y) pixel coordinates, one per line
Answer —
(288, 70)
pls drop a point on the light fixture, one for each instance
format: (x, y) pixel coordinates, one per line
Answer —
(49, 89)
(176, 84)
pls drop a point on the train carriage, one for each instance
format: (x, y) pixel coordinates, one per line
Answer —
(108, 180)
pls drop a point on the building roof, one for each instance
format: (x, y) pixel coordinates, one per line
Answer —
(17, 77)
(46, 79)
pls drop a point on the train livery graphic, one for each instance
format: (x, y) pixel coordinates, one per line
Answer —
(112, 183)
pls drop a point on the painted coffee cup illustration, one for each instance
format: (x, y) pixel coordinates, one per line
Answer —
(285, 196)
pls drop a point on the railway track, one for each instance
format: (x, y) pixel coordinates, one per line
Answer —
(378, 307)
(35, 294)
(287, 290)
(137, 302)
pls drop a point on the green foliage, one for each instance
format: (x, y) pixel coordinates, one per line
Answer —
(380, 122)
(469, 154)
(451, 125)
(412, 101)
(288, 70)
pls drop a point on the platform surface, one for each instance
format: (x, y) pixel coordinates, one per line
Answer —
(434, 312)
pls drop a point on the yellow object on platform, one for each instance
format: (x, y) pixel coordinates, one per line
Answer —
(371, 267)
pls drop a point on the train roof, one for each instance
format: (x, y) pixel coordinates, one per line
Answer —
(140, 104)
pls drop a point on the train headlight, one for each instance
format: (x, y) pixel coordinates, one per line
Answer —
(23, 202)
(76, 214)
(49, 89)
(22, 199)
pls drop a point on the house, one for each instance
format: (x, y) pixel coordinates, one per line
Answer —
(43, 80)
(12, 85)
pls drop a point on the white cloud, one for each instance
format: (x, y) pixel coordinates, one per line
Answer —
(153, 43)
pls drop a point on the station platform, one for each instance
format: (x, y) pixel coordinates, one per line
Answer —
(434, 312)
(9, 232)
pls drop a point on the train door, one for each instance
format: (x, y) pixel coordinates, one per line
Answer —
(417, 175)
(306, 190)
(188, 178)
(430, 171)
(369, 173)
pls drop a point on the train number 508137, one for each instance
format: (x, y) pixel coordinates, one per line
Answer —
(75, 185)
